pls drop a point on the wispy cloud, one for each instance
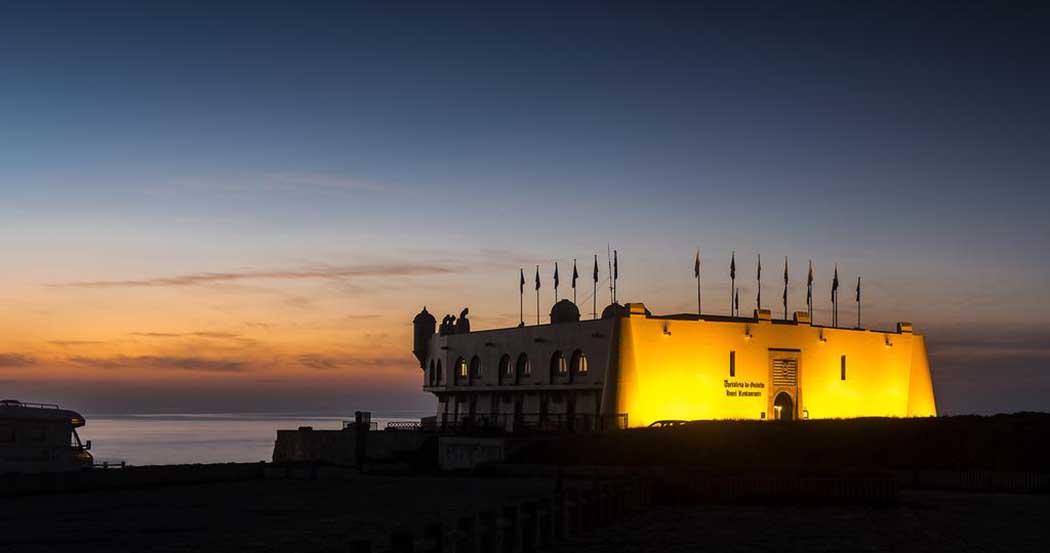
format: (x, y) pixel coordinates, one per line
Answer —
(204, 279)
(338, 362)
(73, 343)
(159, 362)
(16, 360)
(213, 335)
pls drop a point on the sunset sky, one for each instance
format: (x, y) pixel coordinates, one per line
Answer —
(240, 208)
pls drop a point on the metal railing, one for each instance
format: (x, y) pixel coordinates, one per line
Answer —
(403, 425)
(533, 422)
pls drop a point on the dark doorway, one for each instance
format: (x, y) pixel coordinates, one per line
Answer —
(784, 407)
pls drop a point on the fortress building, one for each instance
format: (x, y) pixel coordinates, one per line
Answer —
(632, 368)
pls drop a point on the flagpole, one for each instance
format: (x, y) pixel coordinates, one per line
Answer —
(521, 298)
(732, 285)
(858, 302)
(594, 294)
(537, 294)
(574, 277)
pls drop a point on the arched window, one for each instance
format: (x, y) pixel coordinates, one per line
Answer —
(559, 366)
(440, 377)
(579, 363)
(475, 367)
(431, 374)
(461, 368)
(524, 368)
(505, 368)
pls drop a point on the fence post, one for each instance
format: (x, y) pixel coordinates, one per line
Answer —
(488, 532)
(464, 541)
(528, 527)
(558, 515)
(401, 541)
(587, 506)
(572, 510)
(509, 529)
(433, 538)
(543, 517)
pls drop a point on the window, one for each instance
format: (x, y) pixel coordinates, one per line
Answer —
(524, 368)
(475, 367)
(579, 363)
(843, 368)
(732, 364)
(439, 377)
(432, 373)
(461, 367)
(504, 366)
(559, 365)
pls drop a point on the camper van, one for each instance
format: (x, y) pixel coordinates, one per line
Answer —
(40, 437)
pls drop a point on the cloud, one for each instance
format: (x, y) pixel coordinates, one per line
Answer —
(203, 279)
(16, 360)
(336, 362)
(159, 362)
(213, 335)
(75, 342)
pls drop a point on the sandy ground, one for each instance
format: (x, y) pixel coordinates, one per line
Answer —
(257, 516)
(922, 521)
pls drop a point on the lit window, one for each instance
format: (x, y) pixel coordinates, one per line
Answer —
(579, 363)
(461, 367)
(475, 367)
(732, 363)
(559, 364)
(524, 368)
(843, 367)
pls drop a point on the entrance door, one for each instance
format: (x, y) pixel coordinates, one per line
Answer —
(785, 369)
(783, 407)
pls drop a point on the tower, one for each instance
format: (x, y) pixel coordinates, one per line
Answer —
(423, 331)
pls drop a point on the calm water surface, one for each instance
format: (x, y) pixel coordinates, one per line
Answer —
(217, 438)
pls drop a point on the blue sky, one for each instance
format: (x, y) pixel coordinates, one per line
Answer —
(905, 143)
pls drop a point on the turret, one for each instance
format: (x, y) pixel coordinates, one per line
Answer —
(423, 331)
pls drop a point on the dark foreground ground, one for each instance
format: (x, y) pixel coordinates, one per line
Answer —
(922, 521)
(288, 516)
(309, 516)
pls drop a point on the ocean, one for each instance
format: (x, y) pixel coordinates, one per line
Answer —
(198, 438)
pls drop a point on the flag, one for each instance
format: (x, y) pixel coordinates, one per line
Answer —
(616, 267)
(696, 265)
(835, 284)
(521, 287)
(537, 277)
(732, 267)
(809, 284)
(858, 289)
(575, 274)
(737, 300)
(556, 279)
(785, 285)
(596, 268)
(758, 298)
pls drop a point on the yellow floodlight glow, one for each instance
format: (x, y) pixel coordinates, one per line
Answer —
(683, 372)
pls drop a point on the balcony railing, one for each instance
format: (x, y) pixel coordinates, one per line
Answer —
(532, 422)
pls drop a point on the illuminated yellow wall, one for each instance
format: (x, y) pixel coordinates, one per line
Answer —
(679, 369)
